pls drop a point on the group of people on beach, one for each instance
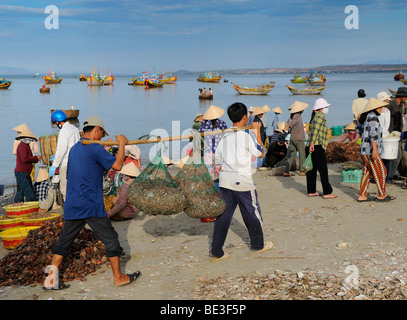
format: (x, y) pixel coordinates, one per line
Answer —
(231, 159)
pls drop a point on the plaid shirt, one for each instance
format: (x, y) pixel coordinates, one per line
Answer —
(318, 132)
(41, 190)
(371, 131)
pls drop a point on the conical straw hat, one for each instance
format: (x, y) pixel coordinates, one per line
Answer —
(298, 106)
(374, 104)
(42, 175)
(266, 108)
(26, 133)
(280, 127)
(277, 110)
(352, 126)
(213, 112)
(130, 169)
(21, 128)
(258, 110)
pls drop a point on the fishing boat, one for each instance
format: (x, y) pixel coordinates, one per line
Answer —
(153, 83)
(168, 79)
(44, 89)
(107, 79)
(52, 78)
(256, 90)
(70, 113)
(298, 79)
(94, 80)
(209, 77)
(305, 91)
(398, 76)
(82, 77)
(206, 96)
(315, 80)
(5, 84)
(140, 79)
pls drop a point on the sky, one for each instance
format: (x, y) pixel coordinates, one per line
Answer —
(130, 36)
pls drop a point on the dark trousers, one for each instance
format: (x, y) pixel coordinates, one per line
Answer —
(25, 187)
(250, 210)
(101, 226)
(319, 165)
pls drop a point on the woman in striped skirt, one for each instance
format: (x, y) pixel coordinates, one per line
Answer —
(371, 148)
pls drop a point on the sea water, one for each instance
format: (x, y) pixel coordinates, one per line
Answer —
(168, 111)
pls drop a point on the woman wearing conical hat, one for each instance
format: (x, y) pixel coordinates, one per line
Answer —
(24, 166)
(122, 209)
(277, 114)
(352, 134)
(210, 123)
(297, 137)
(370, 150)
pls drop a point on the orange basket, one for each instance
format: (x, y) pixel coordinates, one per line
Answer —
(24, 209)
(8, 223)
(13, 237)
(39, 221)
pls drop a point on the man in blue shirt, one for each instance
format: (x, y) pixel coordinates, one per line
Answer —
(84, 200)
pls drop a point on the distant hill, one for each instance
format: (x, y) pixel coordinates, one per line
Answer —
(5, 70)
(356, 68)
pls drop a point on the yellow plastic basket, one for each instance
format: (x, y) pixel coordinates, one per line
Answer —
(8, 223)
(13, 237)
(21, 210)
(38, 222)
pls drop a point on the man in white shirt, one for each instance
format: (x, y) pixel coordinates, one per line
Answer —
(237, 151)
(68, 136)
(358, 105)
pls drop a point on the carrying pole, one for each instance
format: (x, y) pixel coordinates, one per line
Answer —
(173, 138)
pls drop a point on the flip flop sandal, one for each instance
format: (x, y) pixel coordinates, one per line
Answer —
(368, 199)
(132, 277)
(316, 194)
(60, 287)
(386, 199)
(331, 196)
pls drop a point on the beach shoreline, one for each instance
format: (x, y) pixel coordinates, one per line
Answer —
(325, 236)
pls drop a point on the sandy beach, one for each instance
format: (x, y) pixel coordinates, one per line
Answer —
(325, 236)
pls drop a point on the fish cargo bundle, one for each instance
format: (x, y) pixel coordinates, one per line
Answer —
(202, 197)
(155, 192)
(48, 147)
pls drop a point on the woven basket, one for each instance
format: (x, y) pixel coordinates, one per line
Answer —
(48, 147)
(22, 210)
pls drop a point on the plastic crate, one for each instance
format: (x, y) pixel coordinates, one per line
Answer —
(351, 176)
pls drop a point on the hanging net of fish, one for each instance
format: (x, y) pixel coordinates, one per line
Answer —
(154, 191)
(203, 199)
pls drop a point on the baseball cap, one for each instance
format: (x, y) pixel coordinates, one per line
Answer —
(94, 121)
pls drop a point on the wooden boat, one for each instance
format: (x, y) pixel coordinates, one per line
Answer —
(82, 77)
(5, 84)
(107, 80)
(398, 76)
(209, 77)
(153, 83)
(70, 113)
(52, 78)
(306, 91)
(393, 92)
(256, 90)
(168, 79)
(206, 96)
(297, 79)
(44, 89)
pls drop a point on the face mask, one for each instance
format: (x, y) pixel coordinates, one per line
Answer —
(325, 111)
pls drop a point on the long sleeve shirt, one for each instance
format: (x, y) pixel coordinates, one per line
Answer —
(25, 158)
(68, 136)
(318, 131)
(297, 128)
(371, 132)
